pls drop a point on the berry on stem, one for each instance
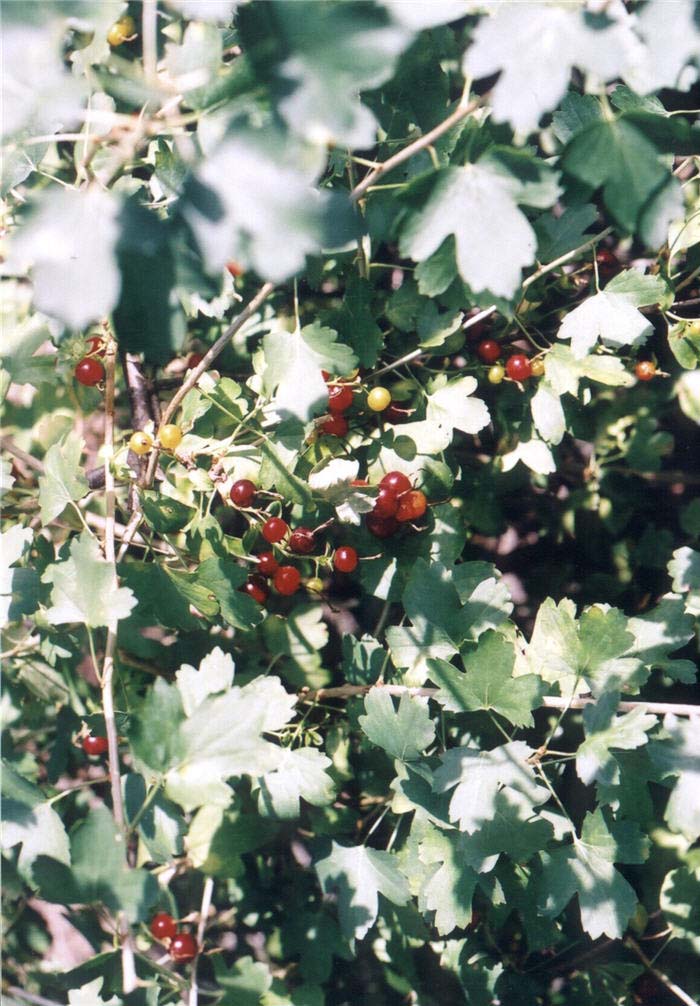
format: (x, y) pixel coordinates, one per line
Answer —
(339, 398)
(381, 527)
(242, 492)
(302, 540)
(267, 564)
(387, 502)
(256, 587)
(169, 436)
(518, 367)
(163, 926)
(488, 350)
(537, 367)
(345, 559)
(194, 359)
(93, 745)
(645, 370)
(140, 442)
(336, 426)
(121, 31)
(397, 482)
(274, 530)
(315, 585)
(89, 372)
(378, 399)
(95, 346)
(412, 505)
(183, 947)
(234, 268)
(496, 373)
(287, 580)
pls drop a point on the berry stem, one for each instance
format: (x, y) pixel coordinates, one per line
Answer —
(204, 907)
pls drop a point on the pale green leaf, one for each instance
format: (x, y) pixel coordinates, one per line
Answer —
(548, 414)
(13, 542)
(332, 481)
(85, 588)
(450, 885)
(642, 290)
(533, 453)
(293, 364)
(679, 756)
(29, 820)
(89, 995)
(610, 317)
(63, 481)
(215, 675)
(300, 773)
(605, 731)
(451, 407)
(680, 902)
(684, 567)
(404, 733)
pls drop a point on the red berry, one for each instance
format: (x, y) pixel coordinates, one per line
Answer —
(267, 565)
(89, 372)
(386, 503)
(339, 398)
(380, 527)
(645, 370)
(235, 268)
(163, 926)
(518, 367)
(256, 587)
(488, 350)
(242, 492)
(94, 745)
(412, 505)
(96, 345)
(395, 414)
(607, 262)
(345, 559)
(287, 580)
(302, 540)
(397, 482)
(183, 947)
(336, 426)
(274, 530)
(194, 360)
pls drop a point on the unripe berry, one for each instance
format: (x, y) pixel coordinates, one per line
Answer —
(537, 367)
(496, 373)
(169, 436)
(378, 399)
(412, 505)
(140, 442)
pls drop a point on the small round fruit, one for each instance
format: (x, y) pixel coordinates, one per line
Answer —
(339, 398)
(274, 530)
(378, 399)
(120, 31)
(169, 436)
(242, 492)
(496, 373)
(89, 372)
(387, 502)
(96, 346)
(345, 559)
(381, 527)
(395, 414)
(645, 370)
(607, 262)
(163, 926)
(194, 360)
(315, 585)
(94, 745)
(302, 540)
(183, 947)
(537, 367)
(140, 442)
(267, 564)
(518, 367)
(287, 580)
(234, 268)
(256, 587)
(336, 426)
(397, 482)
(488, 350)
(412, 505)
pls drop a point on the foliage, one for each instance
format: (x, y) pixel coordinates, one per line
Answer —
(463, 760)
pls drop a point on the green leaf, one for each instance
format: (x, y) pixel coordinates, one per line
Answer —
(99, 871)
(160, 826)
(684, 567)
(606, 900)
(680, 903)
(214, 675)
(640, 289)
(301, 635)
(294, 361)
(610, 317)
(245, 983)
(477, 776)
(548, 414)
(356, 324)
(684, 343)
(679, 756)
(193, 65)
(357, 876)
(605, 731)
(223, 577)
(494, 241)
(404, 733)
(29, 820)
(300, 773)
(488, 683)
(451, 408)
(558, 235)
(667, 627)
(450, 886)
(70, 240)
(85, 588)
(17, 586)
(63, 481)
(217, 839)
(88, 995)
(575, 112)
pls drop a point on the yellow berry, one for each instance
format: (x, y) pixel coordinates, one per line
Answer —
(140, 442)
(378, 399)
(537, 367)
(169, 436)
(121, 30)
(496, 374)
(315, 585)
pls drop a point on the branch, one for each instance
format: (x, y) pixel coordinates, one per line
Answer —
(565, 258)
(548, 701)
(678, 992)
(201, 925)
(461, 112)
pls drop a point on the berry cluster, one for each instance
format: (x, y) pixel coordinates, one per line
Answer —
(397, 503)
(341, 398)
(169, 437)
(182, 947)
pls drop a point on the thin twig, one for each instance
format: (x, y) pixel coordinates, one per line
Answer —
(660, 976)
(207, 893)
(461, 112)
(548, 701)
(563, 259)
(29, 460)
